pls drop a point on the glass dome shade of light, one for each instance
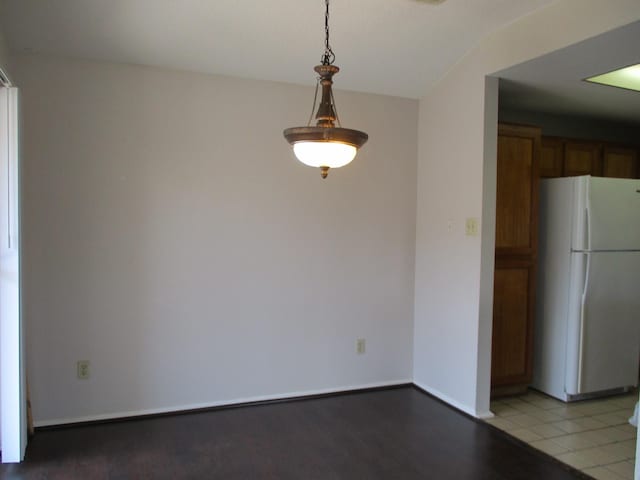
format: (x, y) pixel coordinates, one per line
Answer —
(324, 154)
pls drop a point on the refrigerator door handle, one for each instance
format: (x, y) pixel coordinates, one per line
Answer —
(587, 229)
(583, 298)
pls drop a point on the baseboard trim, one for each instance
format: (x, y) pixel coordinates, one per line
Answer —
(259, 400)
(486, 415)
(222, 405)
(446, 400)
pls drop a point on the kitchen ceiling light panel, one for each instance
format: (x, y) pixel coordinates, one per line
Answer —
(627, 78)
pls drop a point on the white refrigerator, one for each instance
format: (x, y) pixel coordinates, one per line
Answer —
(587, 330)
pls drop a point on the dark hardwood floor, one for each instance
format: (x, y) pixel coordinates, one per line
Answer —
(390, 434)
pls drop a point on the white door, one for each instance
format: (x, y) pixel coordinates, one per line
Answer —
(12, 387)
(610, 326)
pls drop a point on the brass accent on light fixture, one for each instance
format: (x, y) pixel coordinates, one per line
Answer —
(325, 145)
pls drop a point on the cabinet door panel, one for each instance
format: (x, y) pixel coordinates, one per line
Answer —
(515, 255)
(582, 158)
(516, 194)
(620, 162)
(512, 324)
(551, 157)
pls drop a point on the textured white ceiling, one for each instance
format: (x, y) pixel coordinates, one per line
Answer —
(392, 47)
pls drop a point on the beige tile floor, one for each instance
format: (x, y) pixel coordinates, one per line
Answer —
(592, 435)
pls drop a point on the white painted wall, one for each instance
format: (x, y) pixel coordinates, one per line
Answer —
(171, 239)
(456, 180)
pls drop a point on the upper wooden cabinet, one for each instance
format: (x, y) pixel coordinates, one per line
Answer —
(516, 196)
(582, 158)
(551, 157)
(563, 157)
(619, 162)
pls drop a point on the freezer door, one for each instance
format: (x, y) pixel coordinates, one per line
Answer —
(609, 333)
(613, 214)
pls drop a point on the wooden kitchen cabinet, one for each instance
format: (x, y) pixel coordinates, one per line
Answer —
(513, 310)
(517, 191)
(565, 157)
(515, 256)
(619, 162)
(582, 158)
(551, 157)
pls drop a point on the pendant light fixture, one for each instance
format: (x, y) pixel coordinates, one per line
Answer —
(325, 145)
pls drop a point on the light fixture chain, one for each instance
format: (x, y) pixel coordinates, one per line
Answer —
(328, 57)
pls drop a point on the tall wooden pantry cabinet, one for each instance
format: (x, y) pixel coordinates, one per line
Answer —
(515, 257)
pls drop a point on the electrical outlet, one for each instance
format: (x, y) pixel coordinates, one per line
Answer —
(471, 227)
(360, 346)
(83, 369)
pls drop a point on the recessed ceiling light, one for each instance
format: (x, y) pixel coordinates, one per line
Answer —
(627, 78)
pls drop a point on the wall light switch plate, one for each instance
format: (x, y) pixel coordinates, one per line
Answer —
(471, 227)
(83, 369)
(360, 346)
